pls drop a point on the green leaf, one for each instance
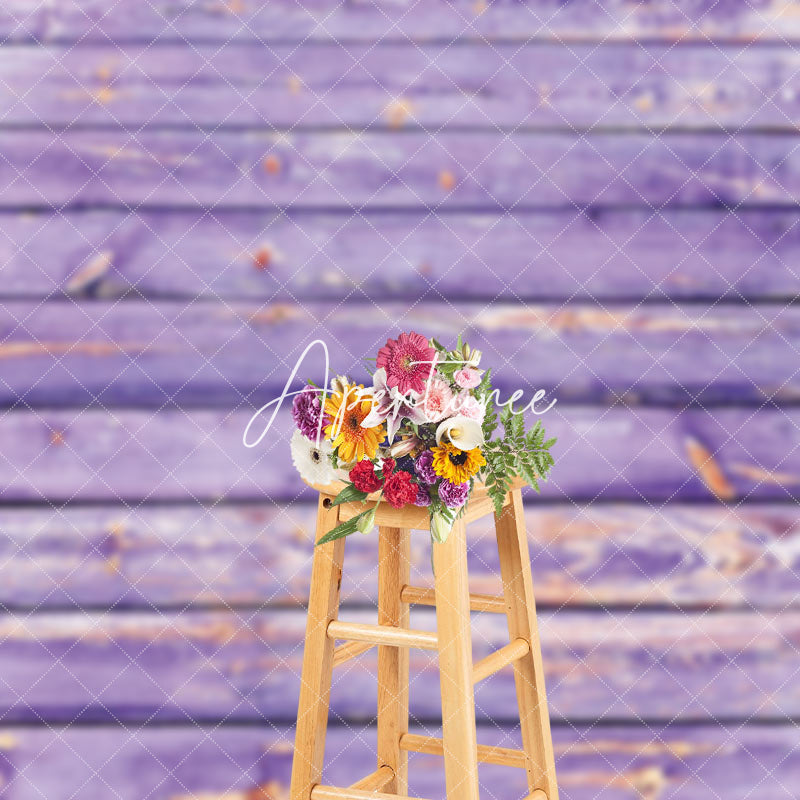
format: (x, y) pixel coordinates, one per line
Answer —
(486, 381)
(344, 529)
(348, 495)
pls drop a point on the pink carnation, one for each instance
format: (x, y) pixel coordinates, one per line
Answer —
(437, 402)
(408, 361)
(468, 406)
(468, 377)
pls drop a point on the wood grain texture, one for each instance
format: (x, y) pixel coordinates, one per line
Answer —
(375, 781)
(174, 212)
(433, 745)
(603, 454)
(394, 570)
(322, 792)
(396, 86)
(237, 556)
(455, 659)
(391, 635)
(486, 170)
(529, 670)
(189, 354)
(245, 666)
(219, 20)
(681, 254)
(317, 671)
(500, 659)
(241, 763)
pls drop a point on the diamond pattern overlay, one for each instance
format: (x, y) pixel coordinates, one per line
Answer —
(601, 196)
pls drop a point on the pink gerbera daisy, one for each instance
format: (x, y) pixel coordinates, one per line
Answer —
(408, 361)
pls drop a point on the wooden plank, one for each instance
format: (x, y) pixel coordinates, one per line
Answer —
(477, 602)
(389, 256)
(603, 454)
(459, 738)
(678, 555)
(219, 20)
(387, 635)
(146, 354)
(501, 658)
(432, 745)
(345, 652)
(375, 781)
(316, 678)
(321, 792)
(347, 170)
(245, 666)
(401, 85)
(410, 517)
(243, 763)
(394, 569)
(523, 625)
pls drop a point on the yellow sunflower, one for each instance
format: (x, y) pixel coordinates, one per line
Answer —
(457, 466)
(346, 410)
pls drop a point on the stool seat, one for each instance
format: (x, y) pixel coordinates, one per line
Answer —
(411, 517)
(393, 636)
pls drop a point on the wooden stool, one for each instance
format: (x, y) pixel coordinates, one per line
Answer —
(392, 635)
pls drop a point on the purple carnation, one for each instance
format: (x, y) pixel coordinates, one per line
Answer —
(423, 466)
(453, 495)
(423, 498)
(306, 412)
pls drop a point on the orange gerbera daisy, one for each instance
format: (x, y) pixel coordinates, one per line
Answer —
(347, 409)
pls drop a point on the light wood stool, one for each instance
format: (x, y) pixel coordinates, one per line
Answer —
(453, 641)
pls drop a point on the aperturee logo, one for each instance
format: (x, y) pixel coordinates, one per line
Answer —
(422, 434)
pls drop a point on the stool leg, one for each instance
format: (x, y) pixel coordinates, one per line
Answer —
(515, 568)
(455, 665)
(393, 575)
(315, 684)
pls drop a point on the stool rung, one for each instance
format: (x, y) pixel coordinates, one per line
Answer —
(382, 634)
(344, 652)
(494, 662)
(477, 602)
(334, 793)
(503, 756)
(375, 781)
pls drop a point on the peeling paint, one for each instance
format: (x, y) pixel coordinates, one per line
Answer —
(262, 258)
(398, 111)
(91, 272)
(761, 475)
(709, 470)
(26, 349)
(589, 319)
(677, 749)
(447, 180)
(268, 791)
(272, 165)
(276, 314)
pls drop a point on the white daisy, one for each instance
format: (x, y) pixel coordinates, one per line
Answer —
(312, 462)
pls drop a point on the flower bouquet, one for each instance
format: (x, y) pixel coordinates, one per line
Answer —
(422, 434)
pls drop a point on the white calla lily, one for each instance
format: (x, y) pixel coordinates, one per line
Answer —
(462, 432)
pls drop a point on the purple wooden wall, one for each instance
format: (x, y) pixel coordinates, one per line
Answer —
(602, 195)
